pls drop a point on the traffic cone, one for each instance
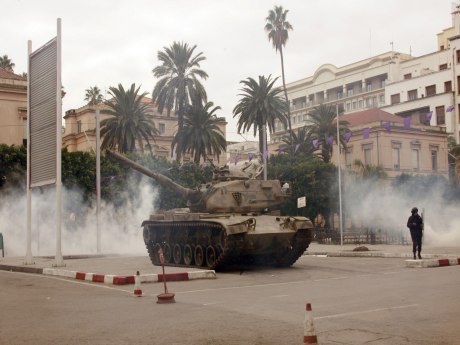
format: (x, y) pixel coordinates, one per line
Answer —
(309, 334)
(137, 285)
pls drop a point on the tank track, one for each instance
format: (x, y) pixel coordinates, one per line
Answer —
(225, 250)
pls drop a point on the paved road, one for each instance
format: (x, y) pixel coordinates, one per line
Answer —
(355, 301)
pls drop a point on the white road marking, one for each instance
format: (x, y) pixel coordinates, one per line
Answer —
(365, 311)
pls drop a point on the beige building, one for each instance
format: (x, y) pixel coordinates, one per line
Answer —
(13, 108)
(382, 139)
(80, 130)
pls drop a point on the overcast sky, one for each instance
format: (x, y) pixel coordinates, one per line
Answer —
(109, 42)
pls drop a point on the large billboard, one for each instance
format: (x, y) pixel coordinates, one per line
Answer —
(43, 114)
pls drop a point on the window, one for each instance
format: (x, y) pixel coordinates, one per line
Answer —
(412, 95)
(434, 159)
(349, 92)
(348, 107)
(78, 127)
(416, 157)
(339, 94)
(354, 105)
(458, 55)
(430, 90)
(396, 147)
(382, 83)
(162, 128)
(367, 148)
(369, 86)
(368, 102)
(443, 66)
(440, 115)
(408, 76)
(448, 86)
(360, 104)
(348, 157)
(395, 98)
(382, 99)
(458, 84)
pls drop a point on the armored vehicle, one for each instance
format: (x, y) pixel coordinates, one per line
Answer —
(229, 222)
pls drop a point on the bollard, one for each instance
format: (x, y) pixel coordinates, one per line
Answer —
(165, 297)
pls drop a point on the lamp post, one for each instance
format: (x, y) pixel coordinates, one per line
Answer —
(340, 178)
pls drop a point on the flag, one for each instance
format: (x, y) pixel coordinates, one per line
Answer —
(366, 133)
(347, 136)
(407, 122)
(296, 148)
(428, 116)
(315, 143)
(387, 126)
(265, 155)
(450, 108)
(330, 140)
(250, 156)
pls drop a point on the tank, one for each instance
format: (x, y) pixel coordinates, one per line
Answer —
(230, 222)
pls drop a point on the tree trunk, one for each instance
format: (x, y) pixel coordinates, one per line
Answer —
(285, 95)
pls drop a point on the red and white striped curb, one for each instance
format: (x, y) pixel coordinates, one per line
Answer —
(432, 263)
(122, 280)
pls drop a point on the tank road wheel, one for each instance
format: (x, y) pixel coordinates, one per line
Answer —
(167, 253)
(199, 255)
(156, 255)
(177, 254)
(188, 255)
(210, 256)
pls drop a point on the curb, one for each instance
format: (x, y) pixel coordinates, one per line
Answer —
(376, 255)
(123, 280)
(432, 263)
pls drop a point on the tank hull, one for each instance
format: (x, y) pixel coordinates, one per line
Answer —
(226, 241)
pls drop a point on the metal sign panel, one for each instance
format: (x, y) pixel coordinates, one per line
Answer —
(43, 114)
(301, 202)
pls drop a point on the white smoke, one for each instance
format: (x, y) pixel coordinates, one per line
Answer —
(378, 206)
(121, 231)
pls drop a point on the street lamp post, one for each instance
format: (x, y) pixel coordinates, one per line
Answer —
(340, 178)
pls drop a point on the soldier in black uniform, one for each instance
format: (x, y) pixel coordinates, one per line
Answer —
(415, 224)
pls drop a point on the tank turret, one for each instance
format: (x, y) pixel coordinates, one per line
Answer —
(229, 222)
(229, 191)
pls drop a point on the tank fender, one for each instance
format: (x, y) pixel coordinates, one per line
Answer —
(295, 223)
(241, 227)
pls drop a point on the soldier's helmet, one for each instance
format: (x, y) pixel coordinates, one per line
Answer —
(414, 210)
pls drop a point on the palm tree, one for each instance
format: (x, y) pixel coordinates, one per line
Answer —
(368, 171)
(93, 95)
(277, 29)
(6, 63)
(300, 140)
(178, 84)
(322, 127)
(200, 136)
(260, 105)
(130, 122)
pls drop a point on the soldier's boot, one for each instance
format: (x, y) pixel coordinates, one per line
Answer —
(415, 258)
(419, 256)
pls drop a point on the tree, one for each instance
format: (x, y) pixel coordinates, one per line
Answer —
(368, 171)
(200, 135)
(179, 82)
(277, 29)
(323, 127)
(6, 63)
(300, 142)
(93, 95)
(259, 107)
(130, 122)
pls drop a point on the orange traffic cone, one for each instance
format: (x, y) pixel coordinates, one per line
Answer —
(309, 334)
(137, 285)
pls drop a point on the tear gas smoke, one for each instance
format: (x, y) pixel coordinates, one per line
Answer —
(121, 231)
(378, 206)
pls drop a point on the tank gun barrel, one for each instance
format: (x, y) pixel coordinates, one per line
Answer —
(187, 193)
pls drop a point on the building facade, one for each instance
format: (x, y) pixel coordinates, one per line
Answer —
(13, 108)
(80, 130)
(398, 83)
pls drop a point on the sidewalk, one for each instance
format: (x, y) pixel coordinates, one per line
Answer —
(381, 250)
